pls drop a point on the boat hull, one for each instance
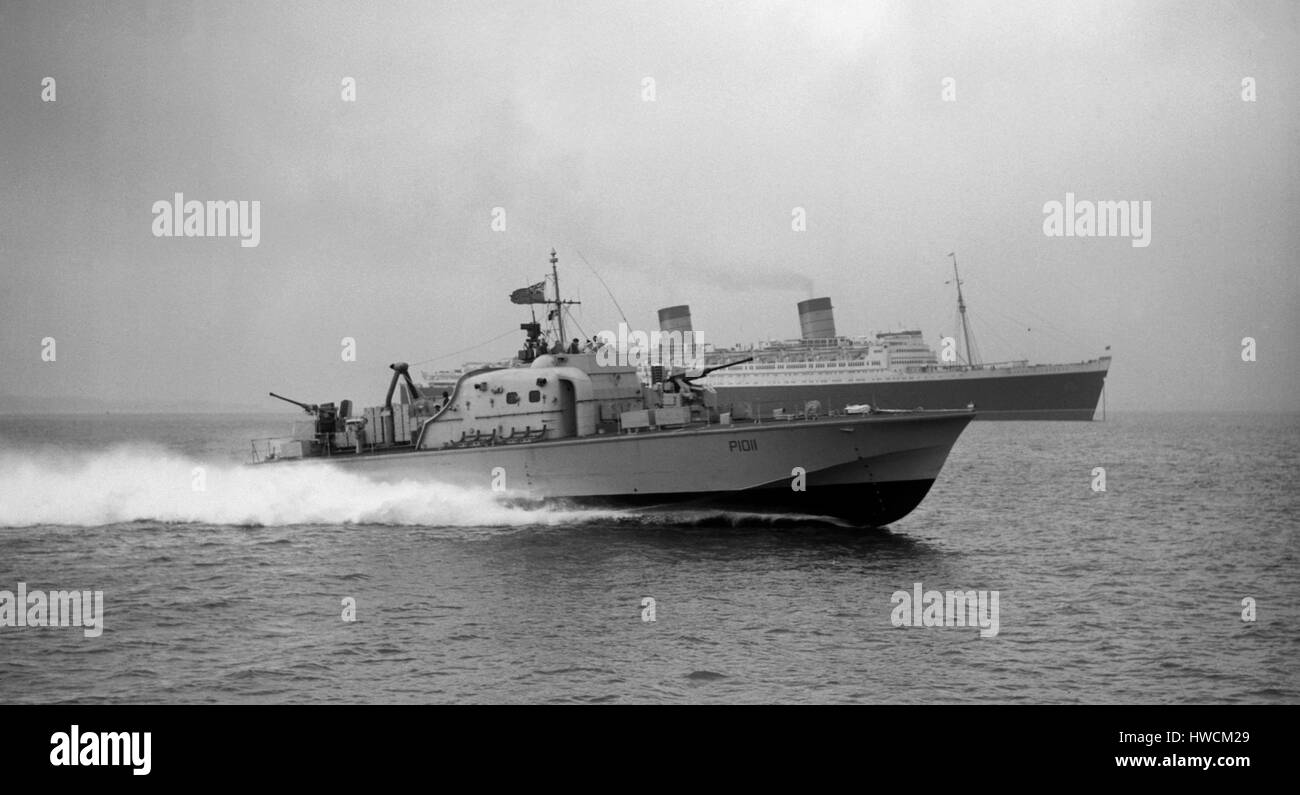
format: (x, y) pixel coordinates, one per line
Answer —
(864, 470)
(872, 504)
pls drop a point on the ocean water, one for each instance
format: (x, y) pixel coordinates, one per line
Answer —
(223, 584)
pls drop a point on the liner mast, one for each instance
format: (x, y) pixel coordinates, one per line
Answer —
(961, 307)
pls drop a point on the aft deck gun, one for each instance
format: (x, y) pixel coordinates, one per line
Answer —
(326, 414)
(700, 396)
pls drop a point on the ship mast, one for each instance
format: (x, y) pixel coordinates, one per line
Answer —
(559, 308)
(559, 305)
(961, 307)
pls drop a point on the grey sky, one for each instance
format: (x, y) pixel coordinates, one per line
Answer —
(376, 214)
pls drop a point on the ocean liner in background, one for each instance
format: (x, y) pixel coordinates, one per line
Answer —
(823, 371)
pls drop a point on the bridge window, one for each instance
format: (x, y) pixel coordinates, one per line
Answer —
(534, 396)
(512, 398)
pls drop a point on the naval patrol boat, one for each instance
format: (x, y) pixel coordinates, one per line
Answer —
(576, 428)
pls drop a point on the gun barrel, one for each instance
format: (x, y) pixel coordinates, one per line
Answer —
(305, 407)
(716, 367)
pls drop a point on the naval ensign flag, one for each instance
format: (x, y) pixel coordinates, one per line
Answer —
(534, 294)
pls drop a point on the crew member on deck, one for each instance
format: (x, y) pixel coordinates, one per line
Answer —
(573, 346)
